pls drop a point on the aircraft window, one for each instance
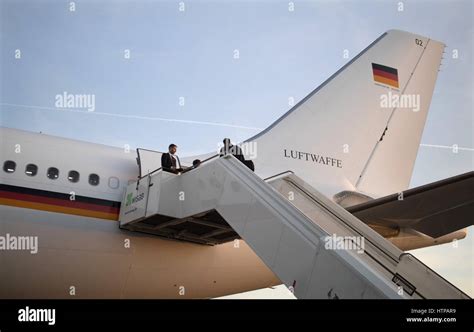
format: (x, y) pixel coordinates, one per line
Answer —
(31, 169)
(114, 182)
(9, 166)
(53, 173)
(73, 176)
(93, 179)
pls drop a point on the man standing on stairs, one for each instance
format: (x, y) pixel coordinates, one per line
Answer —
(229, 148)
(235, 150)
(170, 161)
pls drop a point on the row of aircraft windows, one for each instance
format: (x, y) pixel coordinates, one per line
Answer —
(52, 173)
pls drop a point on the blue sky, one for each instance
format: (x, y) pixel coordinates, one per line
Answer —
(190, 54)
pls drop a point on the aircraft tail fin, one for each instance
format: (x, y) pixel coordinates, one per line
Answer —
(370, 115)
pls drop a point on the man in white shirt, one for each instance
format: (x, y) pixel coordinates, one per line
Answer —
(170, 161)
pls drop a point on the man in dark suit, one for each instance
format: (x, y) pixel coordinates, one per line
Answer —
(235, 150)
(170, 161)
(229, 148)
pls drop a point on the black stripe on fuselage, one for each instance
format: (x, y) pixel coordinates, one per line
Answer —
(53, 194)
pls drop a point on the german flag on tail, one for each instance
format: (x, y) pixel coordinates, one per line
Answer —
(385, 75)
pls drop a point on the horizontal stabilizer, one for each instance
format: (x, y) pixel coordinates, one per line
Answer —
(435, 209)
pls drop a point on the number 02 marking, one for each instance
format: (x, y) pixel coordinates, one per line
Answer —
(419, 42)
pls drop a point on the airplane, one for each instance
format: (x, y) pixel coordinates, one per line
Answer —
(350, 138)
